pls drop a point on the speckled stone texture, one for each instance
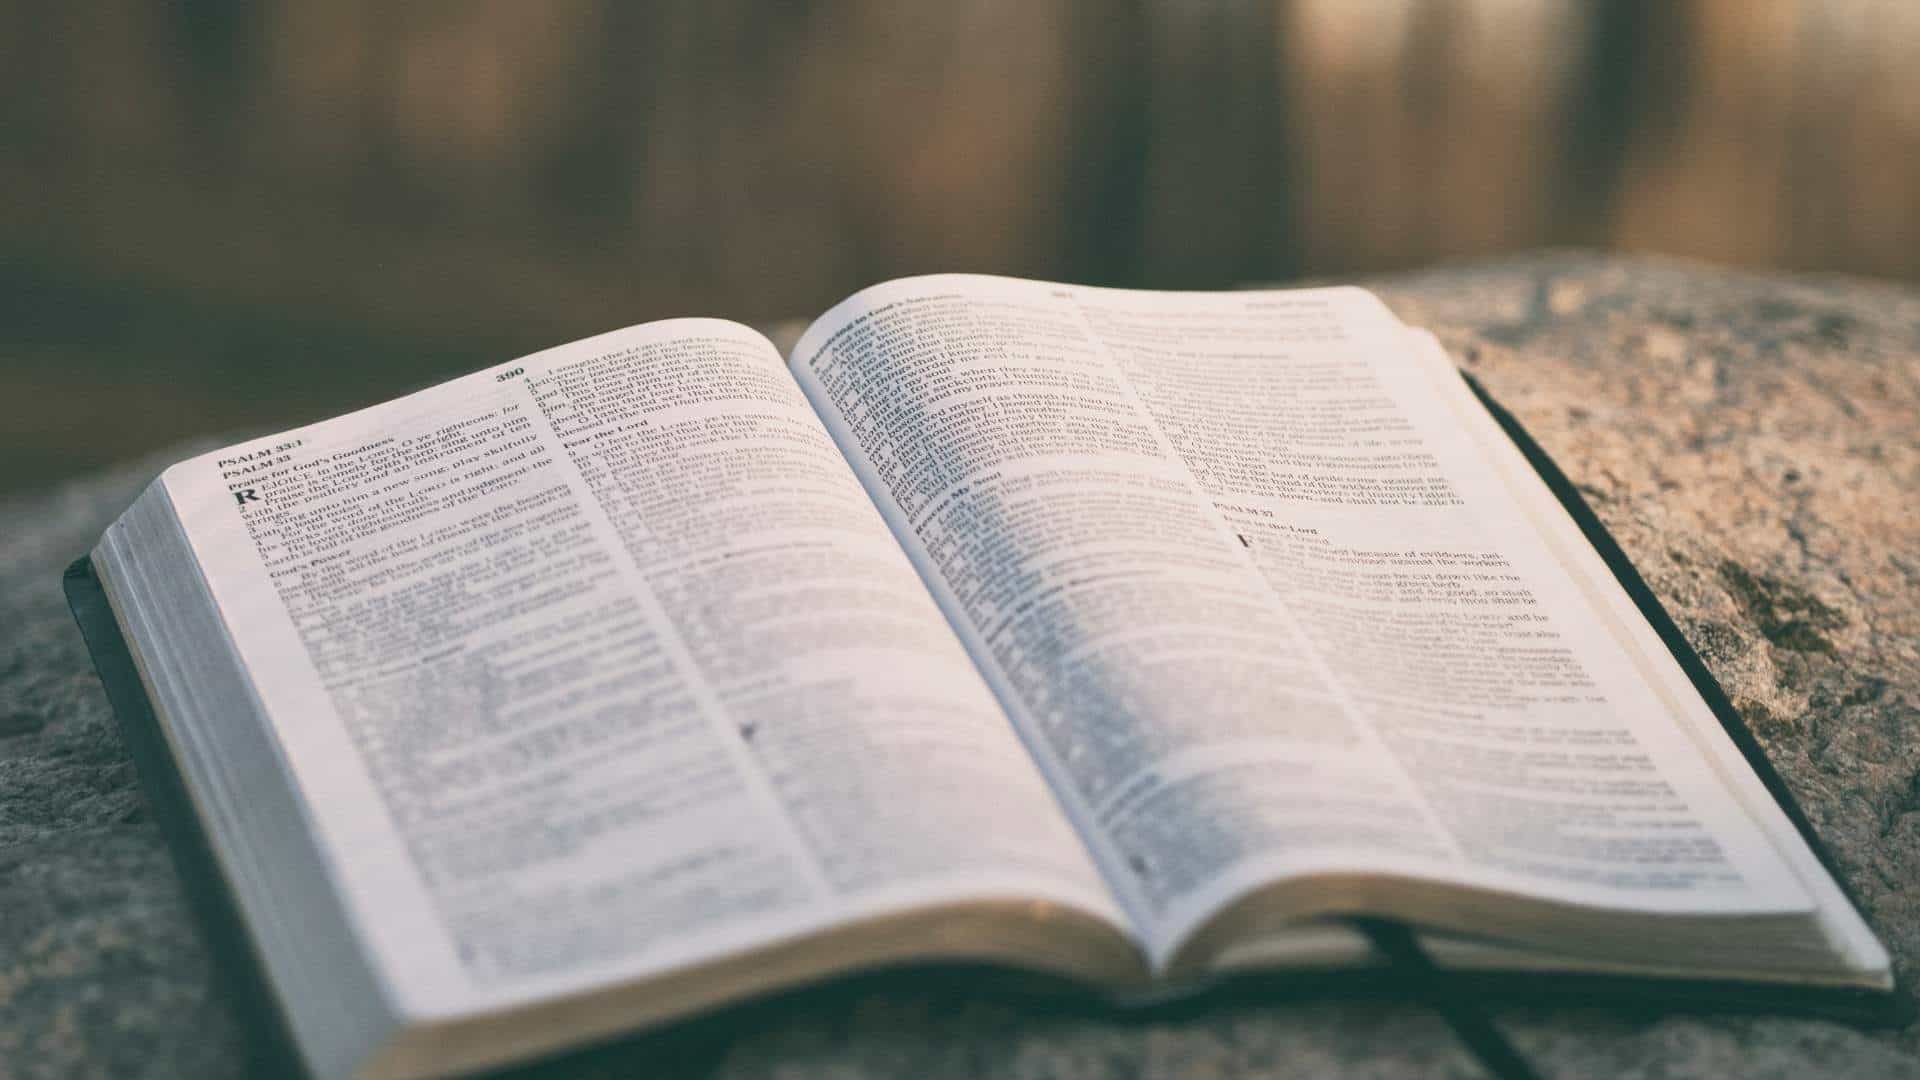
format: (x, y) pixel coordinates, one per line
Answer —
(1753, 443)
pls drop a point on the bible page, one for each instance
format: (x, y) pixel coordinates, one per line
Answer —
(601, 663)
(1260, 608)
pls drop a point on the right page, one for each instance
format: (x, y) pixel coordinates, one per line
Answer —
(1263, 610)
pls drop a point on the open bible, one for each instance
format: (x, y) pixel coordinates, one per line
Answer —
(1136, 638)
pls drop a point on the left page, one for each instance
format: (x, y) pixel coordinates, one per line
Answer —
(600, 663)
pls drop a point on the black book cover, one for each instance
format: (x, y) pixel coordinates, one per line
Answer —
(269, 1039)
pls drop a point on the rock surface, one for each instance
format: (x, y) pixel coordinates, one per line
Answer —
(1753, 443)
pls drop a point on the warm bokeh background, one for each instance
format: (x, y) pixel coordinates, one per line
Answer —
(236, 214)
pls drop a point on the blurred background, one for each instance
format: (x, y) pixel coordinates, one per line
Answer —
(228, 215)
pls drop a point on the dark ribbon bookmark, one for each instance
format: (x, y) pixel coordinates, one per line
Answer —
(1462, 1012)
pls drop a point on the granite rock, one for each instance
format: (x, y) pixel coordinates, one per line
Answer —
(1752, 441)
